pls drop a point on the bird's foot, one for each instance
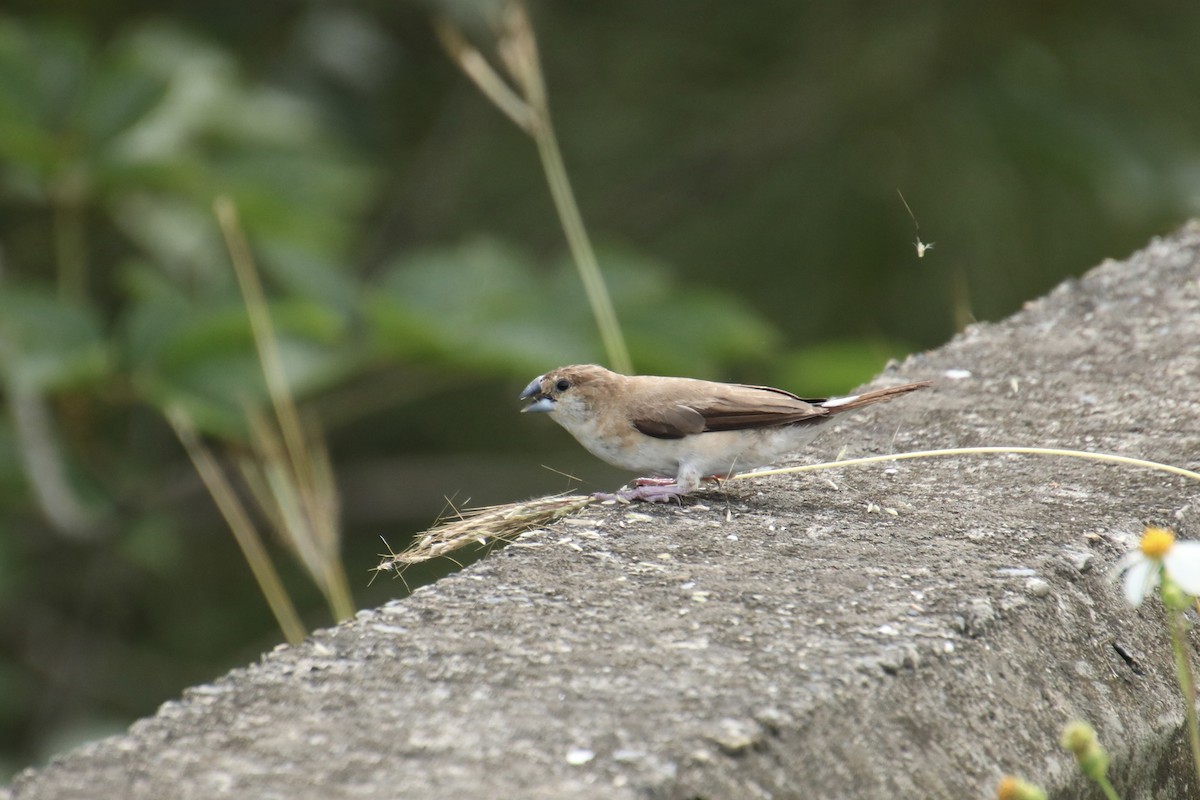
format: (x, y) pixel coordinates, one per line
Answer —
(649, 490)
(654, 482)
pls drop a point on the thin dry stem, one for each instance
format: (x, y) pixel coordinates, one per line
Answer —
(518, 50)
(239, 522)
(477, 68)
(302, 508)
(290, 474)
(260, 323)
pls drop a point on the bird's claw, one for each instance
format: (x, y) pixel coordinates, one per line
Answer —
(649, 490)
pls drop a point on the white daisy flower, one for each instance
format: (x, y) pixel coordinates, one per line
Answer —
(1159, 553)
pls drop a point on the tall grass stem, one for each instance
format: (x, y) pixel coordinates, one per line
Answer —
(530, 111)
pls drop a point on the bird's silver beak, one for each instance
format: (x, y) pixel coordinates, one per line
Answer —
(544, 404)
(540, 401)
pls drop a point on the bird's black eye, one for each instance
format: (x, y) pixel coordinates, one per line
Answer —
(562, 385)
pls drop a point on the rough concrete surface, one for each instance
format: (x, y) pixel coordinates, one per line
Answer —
(913, 630)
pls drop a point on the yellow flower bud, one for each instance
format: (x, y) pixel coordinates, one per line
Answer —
(1080, 739)
(1011, 788)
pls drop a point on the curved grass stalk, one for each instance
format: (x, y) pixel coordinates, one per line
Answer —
(967, 451)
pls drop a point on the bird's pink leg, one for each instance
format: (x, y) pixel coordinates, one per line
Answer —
(654, 492)
(671, 481)
(650, 490)
(658, 490)
(653, 481)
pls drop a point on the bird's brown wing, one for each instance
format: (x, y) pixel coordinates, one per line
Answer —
(720, 407)
(669, 422)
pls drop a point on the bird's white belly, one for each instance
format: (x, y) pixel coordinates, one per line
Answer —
(703, 454)
(728, 452)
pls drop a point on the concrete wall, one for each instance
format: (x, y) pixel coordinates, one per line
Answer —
(906, 631)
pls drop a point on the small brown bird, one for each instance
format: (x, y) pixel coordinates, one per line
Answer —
(681, 430)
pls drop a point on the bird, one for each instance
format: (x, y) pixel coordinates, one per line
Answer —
(679, 431)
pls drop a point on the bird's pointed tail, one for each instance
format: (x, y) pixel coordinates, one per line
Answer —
(836, 405)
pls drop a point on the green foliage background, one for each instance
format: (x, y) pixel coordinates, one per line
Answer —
(737, 164)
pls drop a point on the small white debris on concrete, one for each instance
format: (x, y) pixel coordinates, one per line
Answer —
(1038, 587)
(735, 736)
(578, 756)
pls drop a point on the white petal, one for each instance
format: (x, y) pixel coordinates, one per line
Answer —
(1128, 560)
(1182, 563)
(1139, 579)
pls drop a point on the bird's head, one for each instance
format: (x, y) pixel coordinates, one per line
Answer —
(566, 391)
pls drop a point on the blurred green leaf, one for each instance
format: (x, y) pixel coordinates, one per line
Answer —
(48, 344)
(304, 273)
(477, 304)
(42, 70)
(214, 134)
(179, 237)
(154, 125)
(483, 304)
(120, 94)
(203, 358)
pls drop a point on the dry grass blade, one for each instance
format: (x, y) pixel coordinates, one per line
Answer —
(477, 68)
(302, 504)
(518, 51)
(238, 519)
(289, 470)
(479, 525)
